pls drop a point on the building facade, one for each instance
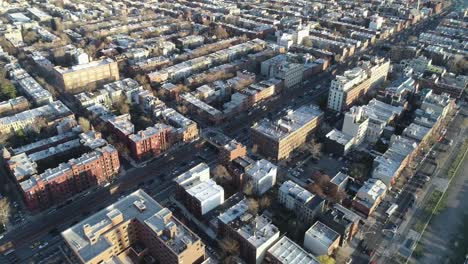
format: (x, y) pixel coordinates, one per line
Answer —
(79, 76)
(278, 139)
(58, 184)
(346, 89)
(133, 230)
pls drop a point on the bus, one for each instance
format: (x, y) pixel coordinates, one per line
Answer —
(391, 210)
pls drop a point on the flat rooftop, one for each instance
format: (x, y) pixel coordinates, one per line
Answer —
(321, 232)
(288, 124)
(139, 206)
(288, 252)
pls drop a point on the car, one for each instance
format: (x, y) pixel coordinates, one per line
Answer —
(349, 261)
(43, 245)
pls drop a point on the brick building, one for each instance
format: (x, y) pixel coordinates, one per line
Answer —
(58, 184)
(151, 141)
(279, 138)
(135, 229)
(82, 75)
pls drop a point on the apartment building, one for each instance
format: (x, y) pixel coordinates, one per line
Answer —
(29, 86)
(135, 229)
(184, 129)
(79, 76)
(255, 233)
(151, 141)
(197, 191)
(300, 201)
(285, 251)
(262, 175)
(388, 167)
(343, 221)
(52, 113)
(13, 106)
(369, 196)
(321, 239)
(280, 68)
(58, 184)
(346, 89)
(279, 138)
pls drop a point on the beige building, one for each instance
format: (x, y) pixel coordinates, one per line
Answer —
(278, 139)
(133, 230)
(346, 89)
(95, 72)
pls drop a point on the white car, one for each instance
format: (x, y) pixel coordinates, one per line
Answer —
(43, 245)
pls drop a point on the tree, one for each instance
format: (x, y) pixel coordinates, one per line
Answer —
(307, 42)
(229, 246)
(182, 109)
(248, 188)
(84, 124)
(221, 33)
(5, 211)
(122, 106)
(315, 189)
(324, 259)
(253, 206)
(315, 149)
(254, 148)
(7, 90)
(143, 80)
(264, 202)
(121, 148)
(220, 172)
(459, 64)
(30, 37)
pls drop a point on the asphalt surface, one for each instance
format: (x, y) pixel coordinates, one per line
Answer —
(162, 170)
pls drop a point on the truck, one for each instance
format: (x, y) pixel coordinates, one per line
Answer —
(391, 210)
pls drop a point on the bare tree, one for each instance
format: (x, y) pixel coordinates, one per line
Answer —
(315, 189)
(182, 109)
(122, 106)
(459, 64)
(248, 188)
(5, 211)
(315, 148)
(264, 202)
(254, 148)
(84, 124)
(220, 172)
(221, 33)
(321, 179)
(229, 246)
(253, 206)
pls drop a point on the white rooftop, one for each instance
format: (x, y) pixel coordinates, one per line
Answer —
(288, 252)
(288, 124)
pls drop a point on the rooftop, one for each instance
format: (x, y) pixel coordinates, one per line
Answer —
(297, 192)
(322, 233)
(88, 237)
(200, 172)
(89, 65)
(288, 124)
(205, 190)
(288, 252)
